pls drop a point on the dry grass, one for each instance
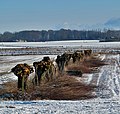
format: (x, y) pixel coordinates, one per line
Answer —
(87, 65)
(79, 67)
(9, 87)
(62, 87)
(67, 88)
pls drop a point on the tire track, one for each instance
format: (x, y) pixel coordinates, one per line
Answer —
(108, 81)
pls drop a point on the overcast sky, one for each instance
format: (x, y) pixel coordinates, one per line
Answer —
(16, 15)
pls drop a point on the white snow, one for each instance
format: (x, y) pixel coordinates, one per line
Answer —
(94, 106)
(46, 44)
(86, 78)
(107, 80)
(102, 57)
(77, 43)
(8, 62)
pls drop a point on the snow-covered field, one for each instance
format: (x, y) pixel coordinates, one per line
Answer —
(56, 47)
(68, 43)
(73, 43)
(107, 80)
(8, 62)
(95, 106)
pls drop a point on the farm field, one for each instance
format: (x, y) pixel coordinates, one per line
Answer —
(107, 81)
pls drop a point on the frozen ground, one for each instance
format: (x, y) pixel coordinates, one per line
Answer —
(73, 43)
(108, 92)
(47, 44)
(56, 47)
(96, 106)
(107, 80)
(8, 62)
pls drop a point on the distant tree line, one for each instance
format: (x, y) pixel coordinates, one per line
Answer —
(62, 34)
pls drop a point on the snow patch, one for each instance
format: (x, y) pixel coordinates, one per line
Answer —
(86, 78)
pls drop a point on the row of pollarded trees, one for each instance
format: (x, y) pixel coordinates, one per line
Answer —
(46, 68)
(63, 60)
